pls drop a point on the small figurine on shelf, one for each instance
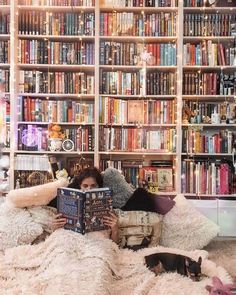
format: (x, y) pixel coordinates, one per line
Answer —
(56, 137)
(188, 116)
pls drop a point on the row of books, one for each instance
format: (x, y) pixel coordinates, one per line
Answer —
(40, 110)
(87, 3)
(51, 52)
(118, 111)
(137, 139)
(209, 54)
(137, 24)
(159, 174)
(208, 3)
(198, 83)
(53, 23)
(194, 3)
(55, 82)
(209, 24)
(123, 53)
(161, 83)
(208, 177)
(5, 51)
(35, 138)
(140, 3)
(208, 141)
(32, 162)
(123, 83)
(199, 111)
(27, 178)
(132, 83)
(4, 119)
(4, 80)
(4, 23)
(4, 2)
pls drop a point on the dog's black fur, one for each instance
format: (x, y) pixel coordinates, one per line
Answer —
(168, 262)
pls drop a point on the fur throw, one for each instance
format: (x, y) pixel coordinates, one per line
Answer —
(70, 263)
(17, 227)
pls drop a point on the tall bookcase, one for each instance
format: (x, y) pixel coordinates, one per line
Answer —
(158, 110)
(4, 82)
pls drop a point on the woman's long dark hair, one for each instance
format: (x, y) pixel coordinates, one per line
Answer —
(87, 172)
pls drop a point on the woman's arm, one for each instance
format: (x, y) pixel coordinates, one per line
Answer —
(112, 221)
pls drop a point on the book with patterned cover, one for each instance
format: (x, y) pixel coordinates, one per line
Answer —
(84, 211)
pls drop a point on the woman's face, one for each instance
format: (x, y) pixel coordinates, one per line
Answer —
(88, 183)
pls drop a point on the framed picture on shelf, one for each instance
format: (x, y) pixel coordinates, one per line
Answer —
(165, 179)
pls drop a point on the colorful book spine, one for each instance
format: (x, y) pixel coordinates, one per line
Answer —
(210, 177)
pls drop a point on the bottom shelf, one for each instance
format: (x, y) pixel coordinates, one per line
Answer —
(222, 212)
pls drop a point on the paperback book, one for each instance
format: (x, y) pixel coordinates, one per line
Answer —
(84, 211)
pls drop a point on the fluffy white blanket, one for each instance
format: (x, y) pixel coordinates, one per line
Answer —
(69, 263)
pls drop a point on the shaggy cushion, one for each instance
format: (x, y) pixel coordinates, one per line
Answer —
(138, 229)
(186, 228)
(17, 227)
(113, 179)
(36, 195)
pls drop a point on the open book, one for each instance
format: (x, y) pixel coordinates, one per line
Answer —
(84, 211)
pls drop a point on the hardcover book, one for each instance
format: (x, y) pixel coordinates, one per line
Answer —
(84, 211)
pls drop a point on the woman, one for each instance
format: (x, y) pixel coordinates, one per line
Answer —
(90, 178)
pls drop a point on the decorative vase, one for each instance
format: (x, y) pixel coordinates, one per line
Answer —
(55, 144)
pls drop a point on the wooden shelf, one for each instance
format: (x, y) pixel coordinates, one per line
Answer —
(5, 9)
(208, 97)
(210, 9)
(138, 125)
(58, 8)
(141, 153)
(60, 123)
(140, 96)
(4, 37)
(4, 65)
(57, 67)
(199, 196)
(138, 9)
(222, 125)
(5, 150)
(54, 153)
(140, 39)
(207, 154)
(210, 68)
(213, 38)
(58, 95)
(77, 38)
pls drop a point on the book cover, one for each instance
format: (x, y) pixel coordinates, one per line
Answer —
(84, 211)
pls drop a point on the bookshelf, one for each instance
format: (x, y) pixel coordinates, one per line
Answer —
(4, 90)
(208, 136)
(136, 112)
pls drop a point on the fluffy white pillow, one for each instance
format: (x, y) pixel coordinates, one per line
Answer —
(17, 227)
(186, 228)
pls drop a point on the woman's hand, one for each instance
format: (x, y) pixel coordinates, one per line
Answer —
(58, 222)
(111, 220)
